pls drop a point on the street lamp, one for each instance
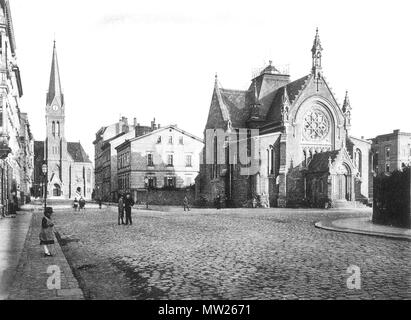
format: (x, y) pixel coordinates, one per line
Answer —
(44, 170)
(146, 183)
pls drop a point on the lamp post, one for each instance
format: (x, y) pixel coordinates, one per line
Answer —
(44, 170)
(146, 183)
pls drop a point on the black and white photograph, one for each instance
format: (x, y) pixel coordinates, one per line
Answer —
(219, 152)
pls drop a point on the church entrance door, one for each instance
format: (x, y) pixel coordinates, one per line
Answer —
(56, 190)
(344, 184)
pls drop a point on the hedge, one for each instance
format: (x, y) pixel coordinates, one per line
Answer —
(391, 205)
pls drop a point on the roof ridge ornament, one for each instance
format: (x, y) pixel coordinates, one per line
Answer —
(316, 54)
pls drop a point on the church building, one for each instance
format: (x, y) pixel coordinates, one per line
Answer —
(70, 171)
(305, 153)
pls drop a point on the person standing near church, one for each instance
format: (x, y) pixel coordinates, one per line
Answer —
(47, 232)
(128, 204)
(186, 204)
(121, 210)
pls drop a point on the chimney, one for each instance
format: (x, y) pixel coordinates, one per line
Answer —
(137, 130)
(153, 124)
(135, 122)
(158, 126)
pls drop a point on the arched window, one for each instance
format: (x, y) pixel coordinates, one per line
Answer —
(358, 161)
(58, 128)
(53, 129)
(272, 171)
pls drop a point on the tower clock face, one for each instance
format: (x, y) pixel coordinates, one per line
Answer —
(55, 107)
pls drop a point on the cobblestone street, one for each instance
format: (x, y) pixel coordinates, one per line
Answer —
(229, 254)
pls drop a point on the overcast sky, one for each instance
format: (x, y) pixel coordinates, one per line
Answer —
(157, 59)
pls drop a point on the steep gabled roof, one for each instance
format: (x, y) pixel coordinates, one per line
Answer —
(292, 89)
(320, 161)
(77, 153)
(235, 103)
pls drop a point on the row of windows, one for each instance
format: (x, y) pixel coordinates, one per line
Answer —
(124, 182)
(53, 128)
(170, 160)
(171, 140)
(55, 150)
(123, 160)
(405, 152)
(169, 181)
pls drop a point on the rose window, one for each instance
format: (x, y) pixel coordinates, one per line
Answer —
(316, 125)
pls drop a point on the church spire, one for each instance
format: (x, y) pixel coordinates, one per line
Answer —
(346, 109)
(346, 105)
(55, 84)
(316, 55)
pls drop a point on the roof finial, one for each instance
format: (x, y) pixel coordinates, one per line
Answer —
(216, 80)
(270, 62)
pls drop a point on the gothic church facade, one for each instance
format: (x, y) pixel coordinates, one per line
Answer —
(70, 171)
(306, 155)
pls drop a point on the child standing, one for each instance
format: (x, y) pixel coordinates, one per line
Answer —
(47, 234)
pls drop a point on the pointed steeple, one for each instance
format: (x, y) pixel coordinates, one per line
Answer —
(285, 106)
(346, 105)
(316, 55)
(346, 109)
(55, 90)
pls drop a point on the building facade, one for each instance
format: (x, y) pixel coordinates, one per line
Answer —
(15, 136)
(167, 158)
(298, 136)
(69, 167)
(391, 151)
(107, 139)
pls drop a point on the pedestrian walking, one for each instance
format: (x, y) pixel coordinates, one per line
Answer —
(186, 204)
(82, 204)
(75, 204)
(121, 210)
(47, 235)
(128, 204)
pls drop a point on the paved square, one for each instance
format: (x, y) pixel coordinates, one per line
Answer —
(229, 254)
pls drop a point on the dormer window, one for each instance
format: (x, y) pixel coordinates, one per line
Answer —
(170, 140)
(159, 139)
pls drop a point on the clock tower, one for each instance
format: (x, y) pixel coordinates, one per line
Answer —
(56, 144)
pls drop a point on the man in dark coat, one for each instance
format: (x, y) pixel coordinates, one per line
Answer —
(218, 202)
(120, 210)
(128, 204)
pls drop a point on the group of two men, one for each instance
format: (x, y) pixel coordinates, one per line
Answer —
(125, 205)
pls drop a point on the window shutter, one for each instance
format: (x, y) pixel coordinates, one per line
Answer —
(165, 181)
(155, 182)
(174, 182)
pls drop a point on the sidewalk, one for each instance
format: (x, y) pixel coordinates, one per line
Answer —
(365, 226)
(13, 233)
(29, 279)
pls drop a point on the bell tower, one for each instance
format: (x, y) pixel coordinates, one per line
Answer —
(56, 144)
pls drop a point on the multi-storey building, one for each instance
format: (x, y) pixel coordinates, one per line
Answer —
(26, 158)
(167, 158)
(70, 171)
(15, 135)
(107, 139)
(391, 151)
(301, 151)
